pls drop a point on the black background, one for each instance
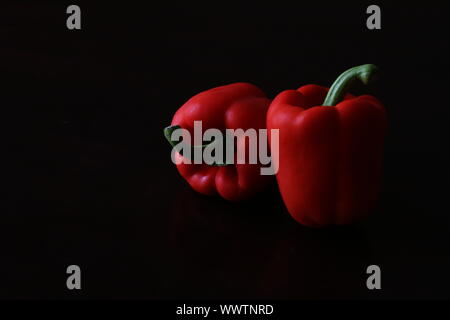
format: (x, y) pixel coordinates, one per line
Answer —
(90, 182)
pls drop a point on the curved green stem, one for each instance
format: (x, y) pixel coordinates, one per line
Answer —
(168, 134)
(346, 80)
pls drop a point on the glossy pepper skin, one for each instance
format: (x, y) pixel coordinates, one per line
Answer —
(329, 156)
(233, 106)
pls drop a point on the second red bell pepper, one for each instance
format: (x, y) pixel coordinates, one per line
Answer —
(330, 152)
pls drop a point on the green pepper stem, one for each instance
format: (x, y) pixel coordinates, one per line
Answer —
(364, 73)
(168, 134)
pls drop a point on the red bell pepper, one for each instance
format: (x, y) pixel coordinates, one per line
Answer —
(234, 106)
(330, 150)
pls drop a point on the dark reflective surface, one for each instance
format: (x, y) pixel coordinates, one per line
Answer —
(91, 179)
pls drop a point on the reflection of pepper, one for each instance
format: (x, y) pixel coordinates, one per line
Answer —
(330, 151)
(234, 106)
